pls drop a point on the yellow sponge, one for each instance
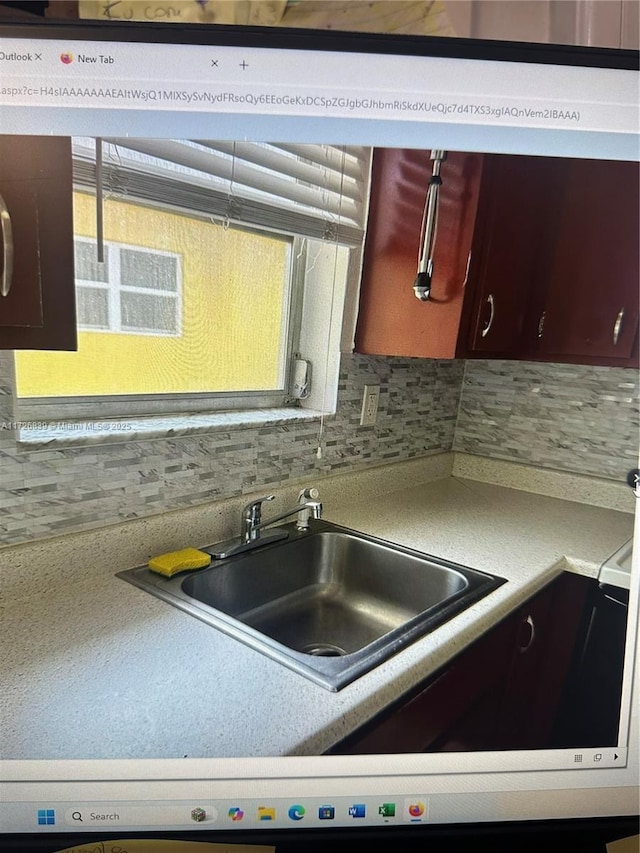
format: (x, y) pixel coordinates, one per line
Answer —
(179, 561)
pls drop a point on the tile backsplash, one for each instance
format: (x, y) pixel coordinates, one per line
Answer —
(50, 491)
(567, 417)
(570, 418)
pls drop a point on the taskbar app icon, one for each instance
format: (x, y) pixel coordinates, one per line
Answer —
(297, 812)
(266, 813)
(236, 814)
(387, 810)
(416, 809)
(326, 813)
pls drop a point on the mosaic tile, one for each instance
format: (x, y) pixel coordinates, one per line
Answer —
(571, 418)
(574, 418)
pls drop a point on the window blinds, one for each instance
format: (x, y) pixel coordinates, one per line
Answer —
(311, 190)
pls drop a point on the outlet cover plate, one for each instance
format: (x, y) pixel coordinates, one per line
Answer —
(370, 399)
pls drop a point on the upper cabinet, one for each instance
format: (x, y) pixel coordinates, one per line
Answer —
(535, 258)
(589, 309)
(392, 321)
(37, 295)
(512, 227)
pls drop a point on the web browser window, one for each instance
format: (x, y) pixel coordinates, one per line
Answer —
(268, 239)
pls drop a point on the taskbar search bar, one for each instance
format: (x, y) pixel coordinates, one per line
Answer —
(96, 815)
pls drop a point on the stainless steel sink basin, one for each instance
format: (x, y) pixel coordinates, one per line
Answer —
(329, 603)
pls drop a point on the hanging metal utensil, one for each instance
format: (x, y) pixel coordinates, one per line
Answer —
(422, 284)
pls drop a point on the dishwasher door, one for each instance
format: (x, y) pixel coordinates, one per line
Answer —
(590, 713)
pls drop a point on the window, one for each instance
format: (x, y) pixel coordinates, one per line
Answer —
(196, 264)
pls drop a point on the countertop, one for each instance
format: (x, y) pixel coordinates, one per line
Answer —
(94, 668)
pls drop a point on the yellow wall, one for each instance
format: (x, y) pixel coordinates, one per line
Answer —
(233, 285)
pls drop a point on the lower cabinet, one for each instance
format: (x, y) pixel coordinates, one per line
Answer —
(503, 692)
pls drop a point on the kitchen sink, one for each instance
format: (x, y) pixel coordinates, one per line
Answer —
(330, 603)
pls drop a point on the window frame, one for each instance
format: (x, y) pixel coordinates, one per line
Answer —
(54, 409)
(114, 287)
(44, 409)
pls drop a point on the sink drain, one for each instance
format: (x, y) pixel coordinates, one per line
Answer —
(326, 650)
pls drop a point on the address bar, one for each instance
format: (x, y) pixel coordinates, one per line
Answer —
(313, 101)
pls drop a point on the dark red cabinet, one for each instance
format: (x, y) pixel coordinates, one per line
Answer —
(392, 321)
(536, 259)
(511, 231)
(36, 245)
(590, 306)
(502, 692)
(547, 632)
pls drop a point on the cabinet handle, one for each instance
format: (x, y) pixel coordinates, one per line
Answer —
(422, 283)
(532, 634)
(543, 317)
(466, 272)
(617, 326)
(491, 304)
(7, 249)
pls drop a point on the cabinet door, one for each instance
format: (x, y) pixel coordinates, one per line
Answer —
(20, 267)
(511, 227)
(36, 247)
(428, 719)
(546, 636)
(591, 306)
(392, 321)
(502, 692)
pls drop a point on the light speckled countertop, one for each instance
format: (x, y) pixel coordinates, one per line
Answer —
(96, 668)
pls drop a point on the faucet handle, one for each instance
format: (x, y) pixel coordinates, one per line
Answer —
(251, 518)
(256, 504)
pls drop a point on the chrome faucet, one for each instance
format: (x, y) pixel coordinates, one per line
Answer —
(252, 524)
(306, 507)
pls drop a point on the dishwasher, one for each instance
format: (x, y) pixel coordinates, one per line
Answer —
(590, 712)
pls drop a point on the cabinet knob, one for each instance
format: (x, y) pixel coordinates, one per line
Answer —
(617, 326)
(488, 324)
(7, 249)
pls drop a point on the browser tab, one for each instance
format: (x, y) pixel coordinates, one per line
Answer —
(20, 56)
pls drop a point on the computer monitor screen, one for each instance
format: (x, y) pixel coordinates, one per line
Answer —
(319, 447)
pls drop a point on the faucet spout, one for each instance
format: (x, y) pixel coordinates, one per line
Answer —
(307, 507)
(305, 510)
(252, 524)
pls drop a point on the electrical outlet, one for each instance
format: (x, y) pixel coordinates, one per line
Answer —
(370, 399)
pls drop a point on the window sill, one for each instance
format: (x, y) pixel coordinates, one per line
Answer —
(34, 435)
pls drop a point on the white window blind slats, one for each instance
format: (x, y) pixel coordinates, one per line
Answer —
(196, 198)
(240, 175)
(326, 175)
(348, 159)
(309, 190)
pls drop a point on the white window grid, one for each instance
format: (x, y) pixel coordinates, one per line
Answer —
(114, 288)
